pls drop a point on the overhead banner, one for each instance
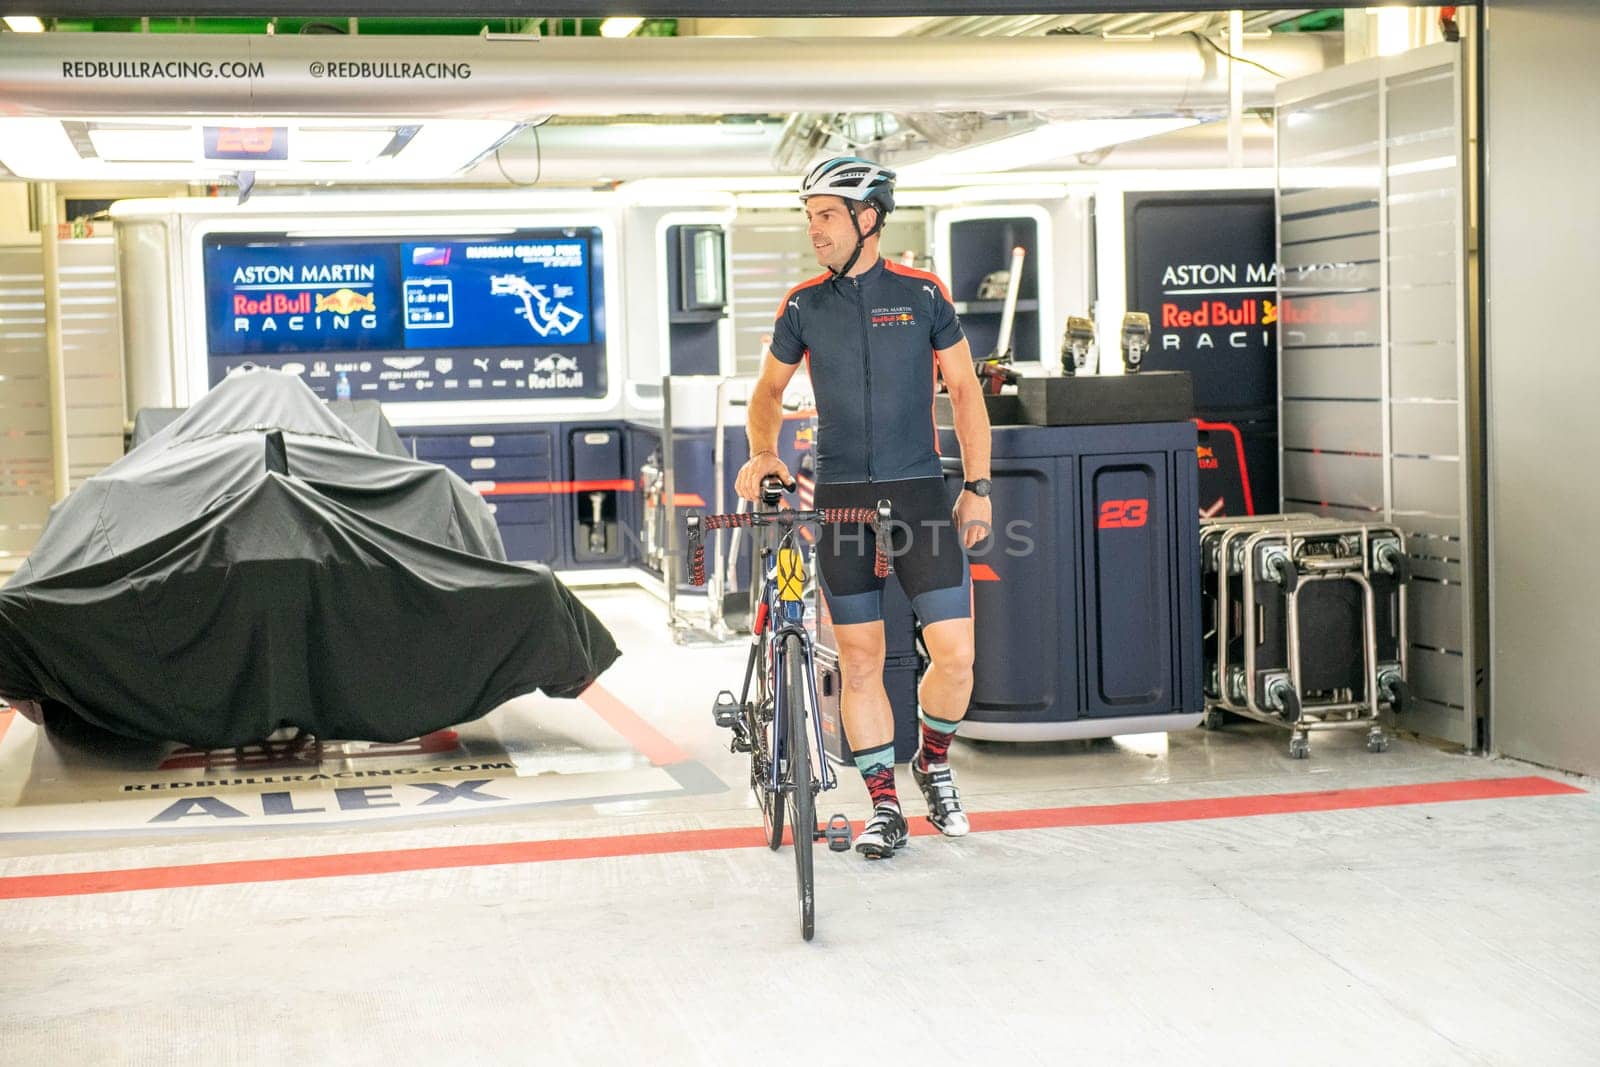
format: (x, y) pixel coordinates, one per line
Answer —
(398, 319)
(597, 9)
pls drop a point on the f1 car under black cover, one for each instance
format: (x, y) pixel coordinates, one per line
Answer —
(255, 565)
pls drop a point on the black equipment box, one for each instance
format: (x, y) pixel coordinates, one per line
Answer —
(900, 675)
(1107, 399)
(1004, 410)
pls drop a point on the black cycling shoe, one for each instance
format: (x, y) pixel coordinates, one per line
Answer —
(884, 834)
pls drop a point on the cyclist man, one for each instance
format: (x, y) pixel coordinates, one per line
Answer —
(876, 336)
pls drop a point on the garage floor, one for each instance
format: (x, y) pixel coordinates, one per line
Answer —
(579, 882)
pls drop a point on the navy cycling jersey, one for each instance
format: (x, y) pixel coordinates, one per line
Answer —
(869, 341)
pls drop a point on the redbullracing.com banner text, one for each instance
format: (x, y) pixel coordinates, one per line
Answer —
(172, 68)
(393, 69)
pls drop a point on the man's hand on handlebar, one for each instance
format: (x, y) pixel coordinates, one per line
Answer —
(760, 466)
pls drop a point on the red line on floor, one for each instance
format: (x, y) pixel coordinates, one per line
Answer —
(28, 887)
(655, 745)
(1269, 804)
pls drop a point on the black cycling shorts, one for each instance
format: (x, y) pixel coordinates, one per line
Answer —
(926, 549)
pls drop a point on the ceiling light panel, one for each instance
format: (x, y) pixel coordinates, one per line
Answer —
(173, 144)
(311, 145)
(153, 149)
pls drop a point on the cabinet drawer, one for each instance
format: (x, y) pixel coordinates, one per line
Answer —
(520, 510)
(437, 448)
(500, 468)
(530, 542)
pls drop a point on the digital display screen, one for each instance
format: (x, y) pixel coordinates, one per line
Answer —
(247, 142)
(408, 318)
(497, 293)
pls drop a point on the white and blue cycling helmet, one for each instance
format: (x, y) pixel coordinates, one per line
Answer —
(856, 181)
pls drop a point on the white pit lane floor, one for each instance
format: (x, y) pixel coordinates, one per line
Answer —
(1394, 926)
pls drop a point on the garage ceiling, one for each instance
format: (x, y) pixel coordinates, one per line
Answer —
(752, 142)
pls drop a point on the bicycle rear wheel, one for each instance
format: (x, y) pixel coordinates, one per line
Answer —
(765, 733)
(803, 814)
(764, 749)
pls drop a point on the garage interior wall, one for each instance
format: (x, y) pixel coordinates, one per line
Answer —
(1376, 371)
(1541, 253)
(91, 342)
(26, 484)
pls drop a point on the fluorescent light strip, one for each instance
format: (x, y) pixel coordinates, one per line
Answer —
(620, 26)
(176, 144)
(24, 24)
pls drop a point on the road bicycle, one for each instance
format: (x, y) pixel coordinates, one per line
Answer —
(775, 718)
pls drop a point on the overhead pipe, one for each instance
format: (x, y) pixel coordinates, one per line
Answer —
(587, 154)
(622, 151)
(48, 75)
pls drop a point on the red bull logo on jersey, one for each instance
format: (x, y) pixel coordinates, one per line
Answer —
(902, 316)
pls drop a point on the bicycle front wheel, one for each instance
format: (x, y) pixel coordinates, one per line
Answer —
(802, 804)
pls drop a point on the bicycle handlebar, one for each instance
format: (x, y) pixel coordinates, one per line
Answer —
(788, 518)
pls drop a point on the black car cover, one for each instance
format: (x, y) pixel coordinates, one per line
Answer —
(255, 565)
(365, 417)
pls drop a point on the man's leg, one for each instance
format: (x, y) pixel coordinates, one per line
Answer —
(869, 727)
(946, 687)
(934, 574)
(854, 600)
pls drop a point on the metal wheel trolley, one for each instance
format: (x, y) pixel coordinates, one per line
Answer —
(1309, 618)
(775, 718)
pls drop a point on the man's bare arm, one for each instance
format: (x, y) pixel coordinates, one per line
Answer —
(763, 420)
(966, 402)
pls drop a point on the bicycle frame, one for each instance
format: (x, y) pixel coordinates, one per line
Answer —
(778, 617)
(773, 625)
(779, 632)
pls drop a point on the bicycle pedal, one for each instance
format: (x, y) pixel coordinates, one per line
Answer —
(726, 711)
(838, 834)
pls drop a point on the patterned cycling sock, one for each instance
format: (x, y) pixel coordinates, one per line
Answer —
(877, 770)
(936, 735)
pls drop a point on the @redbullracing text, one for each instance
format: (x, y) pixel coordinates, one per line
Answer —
(392, 69)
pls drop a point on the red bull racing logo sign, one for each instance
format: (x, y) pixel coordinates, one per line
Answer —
(314, 297)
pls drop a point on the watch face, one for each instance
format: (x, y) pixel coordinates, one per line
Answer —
(980, 487)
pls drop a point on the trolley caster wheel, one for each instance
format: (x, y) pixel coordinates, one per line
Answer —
(1213, 719)
(1377, 743)
(1299, 748)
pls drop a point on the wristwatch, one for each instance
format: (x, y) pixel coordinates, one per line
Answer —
(978, 488)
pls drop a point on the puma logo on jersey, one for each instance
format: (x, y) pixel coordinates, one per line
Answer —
(795, 304)
(931, 291)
